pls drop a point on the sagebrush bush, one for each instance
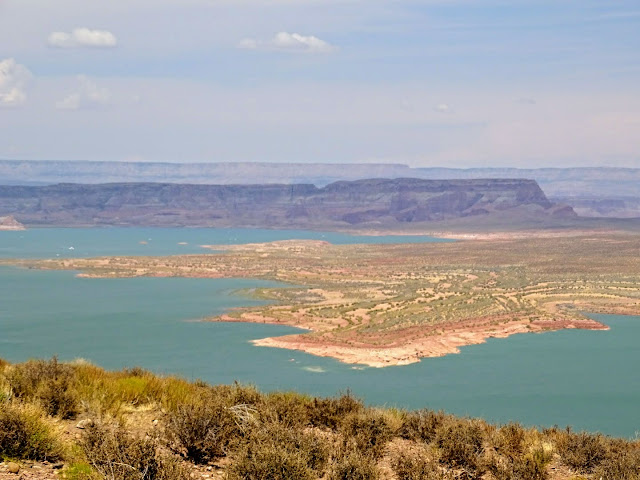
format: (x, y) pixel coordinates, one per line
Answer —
(413, 466)
(534, 464)
(367, 433)
(237, 394)
(269, 461)
(118, 455)
(49, 382)
(26, 435)
(461, 445)
(287, 408)
(422, 425)
(329, 412)
(353, 465)
(275, 451)
(621, 463)
(582, 451)
(530, 466)
(201, 429)
(314, 447)
(509, 440)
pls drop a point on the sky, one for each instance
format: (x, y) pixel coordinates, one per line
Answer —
(450, 83)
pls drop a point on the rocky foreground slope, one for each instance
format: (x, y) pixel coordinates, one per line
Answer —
(164, 428)
(379, 202)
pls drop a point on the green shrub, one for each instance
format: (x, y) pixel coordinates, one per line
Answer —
(460, 444)
(366, 432)
(354, 466)
(117, 455)
(80, 471)
(582, 451)
(24, 434)
(176, 391)
(201, 429)
(133, 389)
(329, 412)
(49, 382)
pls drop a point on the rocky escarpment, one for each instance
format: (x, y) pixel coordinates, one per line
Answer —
(358, 203)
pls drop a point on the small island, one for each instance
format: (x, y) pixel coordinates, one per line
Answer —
(10, 223)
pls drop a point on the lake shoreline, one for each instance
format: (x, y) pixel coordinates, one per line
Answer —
(446, 340)
(393, 304)
(574, 377)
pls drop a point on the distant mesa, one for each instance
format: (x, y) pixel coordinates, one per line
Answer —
(10, 223)
(363, 203)
(603, 192)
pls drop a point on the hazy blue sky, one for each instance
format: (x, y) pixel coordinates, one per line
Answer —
(428, 83)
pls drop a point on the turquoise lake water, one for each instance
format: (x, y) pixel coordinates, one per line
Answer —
(588, 379)
(91, 242)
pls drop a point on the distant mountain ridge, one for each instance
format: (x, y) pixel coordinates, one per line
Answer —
(372, 202)
(592, 191)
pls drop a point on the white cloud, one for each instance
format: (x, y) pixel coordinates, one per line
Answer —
(88, 95)
(294, 41)
(83, 37)
(13, 80)
(290, 42)
(248, 44)
(442, 108)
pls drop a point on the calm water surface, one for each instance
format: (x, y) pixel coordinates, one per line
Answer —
(87, 242)
(584, 378)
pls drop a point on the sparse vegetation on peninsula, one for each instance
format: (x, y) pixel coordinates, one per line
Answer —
(132, 424)
(394, 304)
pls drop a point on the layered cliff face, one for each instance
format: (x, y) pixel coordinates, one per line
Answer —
(358, 203)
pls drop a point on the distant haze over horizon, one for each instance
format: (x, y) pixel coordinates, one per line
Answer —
(554, 165)
(462, 83)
